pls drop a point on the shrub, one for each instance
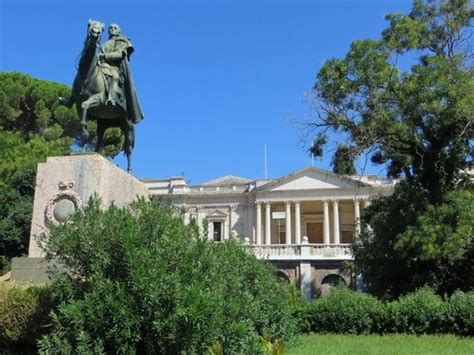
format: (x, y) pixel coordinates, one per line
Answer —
(420, 312)
(460, 313)
(141, 281)
(24, 310)
(344, 311)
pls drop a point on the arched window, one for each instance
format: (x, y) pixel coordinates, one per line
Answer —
(333, 280)
(283, 275)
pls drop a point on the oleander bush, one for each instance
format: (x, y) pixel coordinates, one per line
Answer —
(422, 312)
(344, 311)
(141, 281)
(460, 313)
(24, 315)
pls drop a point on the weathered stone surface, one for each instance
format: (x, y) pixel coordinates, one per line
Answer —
(29, 269)
(65, 183)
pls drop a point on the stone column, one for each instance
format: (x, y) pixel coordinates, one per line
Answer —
(287, 222)
(268, 223)
(199, 216)
(259, 224)
(250, 222)
(305, 271)
(297, 223)
(210, 231)
(326, 222)
(186, 216)
(356, 217)
(367, 204)
(337, 236)
(232, 209)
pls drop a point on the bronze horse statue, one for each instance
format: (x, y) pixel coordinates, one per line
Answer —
(92, 87)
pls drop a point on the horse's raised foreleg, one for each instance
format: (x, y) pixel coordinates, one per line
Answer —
(92, 101)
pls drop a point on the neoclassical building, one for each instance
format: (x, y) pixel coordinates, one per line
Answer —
(303, 223)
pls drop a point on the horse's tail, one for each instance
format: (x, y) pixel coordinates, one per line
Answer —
(129, 133)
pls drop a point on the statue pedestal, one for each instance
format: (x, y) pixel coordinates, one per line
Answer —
(65, 183)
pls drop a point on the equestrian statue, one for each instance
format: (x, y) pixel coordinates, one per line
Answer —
(103, 89)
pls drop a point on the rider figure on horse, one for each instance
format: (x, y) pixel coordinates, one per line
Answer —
(113, 61)
(111, 55)
(103, 88)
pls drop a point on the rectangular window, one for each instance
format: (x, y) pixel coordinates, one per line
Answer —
(217, 231)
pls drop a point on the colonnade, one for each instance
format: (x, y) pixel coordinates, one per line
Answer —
(266, 205)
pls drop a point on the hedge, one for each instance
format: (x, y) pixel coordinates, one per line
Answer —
(422, 312)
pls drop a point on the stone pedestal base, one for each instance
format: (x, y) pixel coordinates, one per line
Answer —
(29, 269)
(64, 184)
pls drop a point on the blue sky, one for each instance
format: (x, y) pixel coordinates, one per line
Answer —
(217, 80)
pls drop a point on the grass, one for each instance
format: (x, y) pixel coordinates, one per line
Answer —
(376, 344)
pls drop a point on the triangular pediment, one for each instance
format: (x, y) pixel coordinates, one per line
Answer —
(216, 213)
(312, 178)
(227, 180)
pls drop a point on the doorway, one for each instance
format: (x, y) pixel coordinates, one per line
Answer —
(314, 232)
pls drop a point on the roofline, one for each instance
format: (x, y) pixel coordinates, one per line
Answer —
(312, 168)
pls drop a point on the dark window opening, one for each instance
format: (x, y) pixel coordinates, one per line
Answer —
(217, 234)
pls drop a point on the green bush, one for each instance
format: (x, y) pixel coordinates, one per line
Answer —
(24, 310)
(344, 311)
(421, 312)
(141, 281)
(460, 313)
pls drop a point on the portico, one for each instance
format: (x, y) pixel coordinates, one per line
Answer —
(321, 221)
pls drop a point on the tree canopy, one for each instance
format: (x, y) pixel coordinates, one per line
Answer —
(31, 107)
(406, 99)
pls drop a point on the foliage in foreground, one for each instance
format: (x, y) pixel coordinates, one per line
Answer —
(140, 280)
(24, 315)
(422, 312)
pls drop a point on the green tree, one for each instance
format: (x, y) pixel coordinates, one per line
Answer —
(343, 161)
(32, 126)
(31, 107)
(406, 101)
(141, 281)
(18, 161)
(411, 243)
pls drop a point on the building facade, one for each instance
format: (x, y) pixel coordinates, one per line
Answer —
(304, 223)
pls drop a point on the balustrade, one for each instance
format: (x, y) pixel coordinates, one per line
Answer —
(311, 251)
